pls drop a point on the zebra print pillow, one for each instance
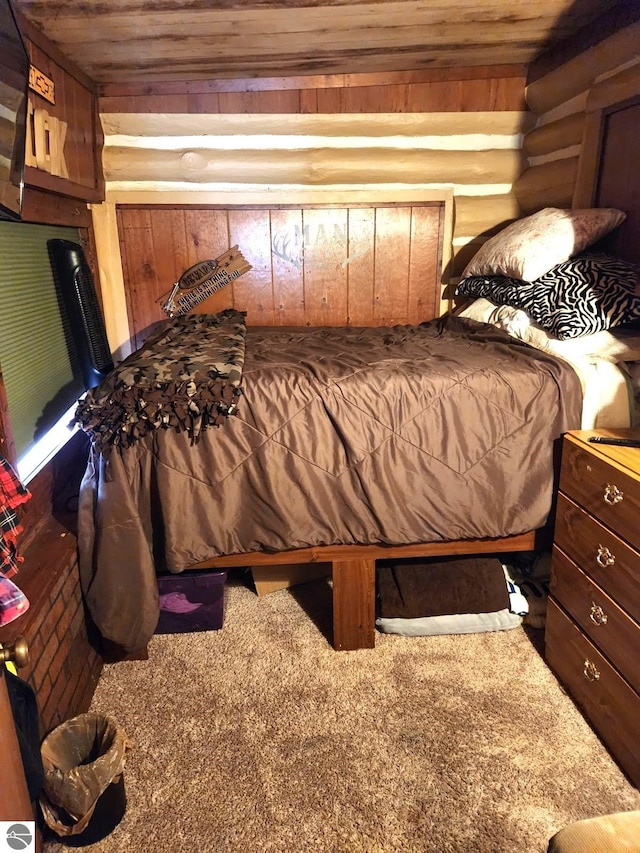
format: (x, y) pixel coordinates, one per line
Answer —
(578, 297)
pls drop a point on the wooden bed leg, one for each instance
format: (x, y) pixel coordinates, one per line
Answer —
(354, 593)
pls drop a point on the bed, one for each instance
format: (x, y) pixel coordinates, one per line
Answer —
(348, 445)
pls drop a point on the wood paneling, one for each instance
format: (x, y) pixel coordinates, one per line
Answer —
(617, 185)
(362, 265)
(64, 140)
(392, 248)
(425, 262)
(322, 249)
(134, 40)
(251, 229)
(317, 265)
(288, 276)
(310, 81)
(143, 275)
(491, 88)
(43, 207)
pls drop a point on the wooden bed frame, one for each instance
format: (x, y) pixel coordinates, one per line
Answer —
(353, 575)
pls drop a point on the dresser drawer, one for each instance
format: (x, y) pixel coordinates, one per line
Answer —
(611, 705)
(602, 489)
(612, 564)
(606, 624)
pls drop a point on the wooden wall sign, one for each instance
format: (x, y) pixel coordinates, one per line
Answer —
(42, 85)
(46, 136)
(202, 279)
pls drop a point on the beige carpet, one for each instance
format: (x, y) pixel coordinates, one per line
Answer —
(260, 737)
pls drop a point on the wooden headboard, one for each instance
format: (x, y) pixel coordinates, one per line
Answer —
(359, 264)
(617, 180)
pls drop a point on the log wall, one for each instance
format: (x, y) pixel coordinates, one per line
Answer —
(429, 134)
(561, 150)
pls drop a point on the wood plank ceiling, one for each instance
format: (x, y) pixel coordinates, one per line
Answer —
(138, 41)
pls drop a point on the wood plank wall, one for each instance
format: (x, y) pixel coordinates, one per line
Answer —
(562, 148)
(445, 129)
(359, 265)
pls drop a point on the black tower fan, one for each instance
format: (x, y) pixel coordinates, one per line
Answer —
(74, 280)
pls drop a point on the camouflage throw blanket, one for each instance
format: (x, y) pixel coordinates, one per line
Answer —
(186, 377)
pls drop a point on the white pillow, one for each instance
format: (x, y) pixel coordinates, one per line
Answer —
(612, 345)
(530, 247)
(461, 623)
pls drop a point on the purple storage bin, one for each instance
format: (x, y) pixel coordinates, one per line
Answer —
(191, 601)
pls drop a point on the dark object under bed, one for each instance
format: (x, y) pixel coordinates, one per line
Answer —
(419, 589)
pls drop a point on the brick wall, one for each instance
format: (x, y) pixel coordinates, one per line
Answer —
(64, 661)
(64, 652)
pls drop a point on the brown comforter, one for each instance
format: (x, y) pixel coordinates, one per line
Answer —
(374, 436)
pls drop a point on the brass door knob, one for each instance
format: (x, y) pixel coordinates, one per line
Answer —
(16, 652)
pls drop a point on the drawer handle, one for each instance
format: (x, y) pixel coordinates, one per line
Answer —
(604, 557)
(597, 614)
(590, 671)
(612, 494)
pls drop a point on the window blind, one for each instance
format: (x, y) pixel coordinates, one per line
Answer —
(40, 370)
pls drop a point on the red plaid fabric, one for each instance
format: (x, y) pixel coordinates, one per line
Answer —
(12, 495)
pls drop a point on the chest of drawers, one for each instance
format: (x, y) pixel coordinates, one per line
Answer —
(592, 637)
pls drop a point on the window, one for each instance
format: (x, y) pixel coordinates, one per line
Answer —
(39, 366)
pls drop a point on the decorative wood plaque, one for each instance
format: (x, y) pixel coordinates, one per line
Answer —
(202, 279)
(42, 85)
